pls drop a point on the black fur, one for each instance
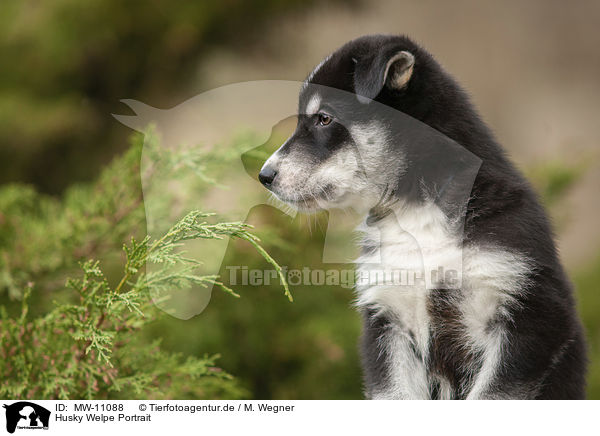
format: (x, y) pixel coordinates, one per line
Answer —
(546, 356)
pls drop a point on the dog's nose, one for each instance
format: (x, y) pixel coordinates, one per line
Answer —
(267, 175)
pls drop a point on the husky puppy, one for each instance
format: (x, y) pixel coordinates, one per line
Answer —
(408, 149)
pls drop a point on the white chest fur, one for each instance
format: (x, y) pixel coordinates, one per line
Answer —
(405, 248)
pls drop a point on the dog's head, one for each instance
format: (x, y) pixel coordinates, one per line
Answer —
(340, 154)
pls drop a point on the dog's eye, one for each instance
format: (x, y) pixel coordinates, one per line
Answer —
(324, 119)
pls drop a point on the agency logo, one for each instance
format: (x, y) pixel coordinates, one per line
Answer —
(209, 150)
(26, 415)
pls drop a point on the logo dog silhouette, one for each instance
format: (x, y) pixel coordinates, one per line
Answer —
(25, 410)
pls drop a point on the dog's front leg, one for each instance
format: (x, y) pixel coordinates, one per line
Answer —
(393, 367)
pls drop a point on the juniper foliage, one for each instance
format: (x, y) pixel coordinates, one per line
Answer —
(66, 334)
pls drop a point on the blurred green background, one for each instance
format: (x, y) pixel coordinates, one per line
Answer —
(65, 64)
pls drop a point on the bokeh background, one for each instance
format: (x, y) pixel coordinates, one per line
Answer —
(531, 68)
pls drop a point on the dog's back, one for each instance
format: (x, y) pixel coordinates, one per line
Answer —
(512, 331)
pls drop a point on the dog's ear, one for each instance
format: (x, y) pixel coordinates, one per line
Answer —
(393, 70)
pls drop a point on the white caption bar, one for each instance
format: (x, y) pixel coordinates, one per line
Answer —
(298, 417)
